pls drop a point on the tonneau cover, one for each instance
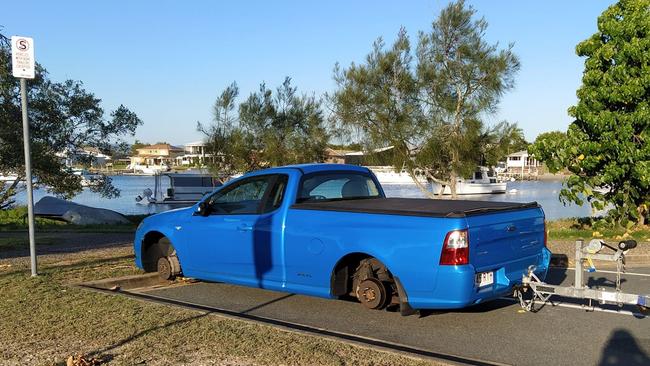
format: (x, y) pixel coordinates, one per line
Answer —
(414, 206)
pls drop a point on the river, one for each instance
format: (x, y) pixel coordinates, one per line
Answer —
(544, 192)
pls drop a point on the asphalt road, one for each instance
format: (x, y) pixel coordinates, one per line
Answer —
(498, 331)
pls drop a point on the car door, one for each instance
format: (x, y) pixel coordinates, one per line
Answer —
(233, 243)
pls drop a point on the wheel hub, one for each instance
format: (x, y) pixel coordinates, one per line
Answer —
(164, 268)
(372, 293)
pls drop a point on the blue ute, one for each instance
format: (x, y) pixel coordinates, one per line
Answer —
(328, 230)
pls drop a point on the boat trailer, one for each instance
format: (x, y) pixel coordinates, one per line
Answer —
(532, 290)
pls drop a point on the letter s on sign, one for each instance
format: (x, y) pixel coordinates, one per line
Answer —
(22, 44)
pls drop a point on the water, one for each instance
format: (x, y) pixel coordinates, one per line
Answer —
(130, 186)
(544, 192)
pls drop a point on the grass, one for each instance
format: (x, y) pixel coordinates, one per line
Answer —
(581, 228)
(15, 219)
(44, 321)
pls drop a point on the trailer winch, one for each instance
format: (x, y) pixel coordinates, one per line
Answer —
(533, 291)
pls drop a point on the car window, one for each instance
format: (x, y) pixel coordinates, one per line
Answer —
(335, 186)
(276, 195)
(243, 198)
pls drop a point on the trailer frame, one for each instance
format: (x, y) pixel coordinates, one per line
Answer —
(533, 290)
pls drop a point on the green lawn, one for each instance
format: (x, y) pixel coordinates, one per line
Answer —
(45, 321)
(581, 228)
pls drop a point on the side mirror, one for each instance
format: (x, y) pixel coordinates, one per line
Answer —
(203, 209)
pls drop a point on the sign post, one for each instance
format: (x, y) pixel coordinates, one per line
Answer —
(23, 67)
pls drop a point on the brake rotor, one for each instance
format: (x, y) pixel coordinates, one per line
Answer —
(164, 269)
(372, 293)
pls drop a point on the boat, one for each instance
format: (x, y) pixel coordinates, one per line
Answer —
(483, 181)
(148, 169)
(88, 179)
(8, 178)
(387, 175)
(184, 188)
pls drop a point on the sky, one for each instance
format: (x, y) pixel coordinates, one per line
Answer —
(168, 60)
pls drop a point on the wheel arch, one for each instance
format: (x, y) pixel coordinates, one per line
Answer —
(341, 275)
(153, 247)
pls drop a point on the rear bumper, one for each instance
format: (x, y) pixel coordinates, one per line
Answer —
(456, 285)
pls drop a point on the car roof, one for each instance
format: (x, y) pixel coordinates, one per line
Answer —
(314, 168)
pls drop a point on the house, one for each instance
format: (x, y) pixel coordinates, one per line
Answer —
(376, 157)
(522, 163)
(99, 159)
(335, 156)
(156, 155)
(194, 153)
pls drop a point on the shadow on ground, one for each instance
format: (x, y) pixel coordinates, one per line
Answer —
(66, 242)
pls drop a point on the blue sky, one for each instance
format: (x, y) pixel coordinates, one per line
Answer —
(168, 60)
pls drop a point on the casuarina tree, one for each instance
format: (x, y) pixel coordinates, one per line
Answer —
(431, 108)
(607, 146)
(269, 128)
(64, 118)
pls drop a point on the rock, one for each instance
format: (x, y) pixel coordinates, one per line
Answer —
(74, 213)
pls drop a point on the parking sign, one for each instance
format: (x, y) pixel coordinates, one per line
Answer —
(22, 57)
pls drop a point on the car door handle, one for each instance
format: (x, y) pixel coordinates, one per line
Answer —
(245, 227)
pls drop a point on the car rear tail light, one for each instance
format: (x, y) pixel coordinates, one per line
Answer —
(455, 250)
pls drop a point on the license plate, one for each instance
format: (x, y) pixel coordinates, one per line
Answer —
(484, 279)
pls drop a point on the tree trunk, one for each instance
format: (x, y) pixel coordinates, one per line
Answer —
(452, 184)
(642, 212)
(422, 188)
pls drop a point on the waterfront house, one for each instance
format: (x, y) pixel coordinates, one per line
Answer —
(156, 155)
(522, 163)
(195, 153)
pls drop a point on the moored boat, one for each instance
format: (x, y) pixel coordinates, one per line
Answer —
(184, 188)
(483, 181)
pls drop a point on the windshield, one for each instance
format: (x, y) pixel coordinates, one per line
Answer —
(337, 186)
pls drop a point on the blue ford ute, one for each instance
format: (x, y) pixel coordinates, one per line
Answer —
(328, 230)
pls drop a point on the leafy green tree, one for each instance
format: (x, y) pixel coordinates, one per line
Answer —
(64, 118)
(229, 144)
(379, 101)
(269, 129)
(430, 108)
(606, 147)
(549, 148)
(499, 141)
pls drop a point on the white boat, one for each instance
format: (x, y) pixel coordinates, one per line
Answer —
(184, 189)
(387, 175)
(483, 182)
(88, 179)
(8, 178)
(148, 169)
